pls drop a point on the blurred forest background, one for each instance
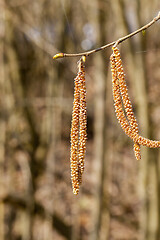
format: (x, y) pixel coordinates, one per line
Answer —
(120, 197)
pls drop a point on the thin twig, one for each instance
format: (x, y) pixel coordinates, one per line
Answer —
(61, 55)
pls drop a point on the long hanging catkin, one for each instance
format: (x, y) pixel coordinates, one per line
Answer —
(128, 123)
(125, 98)
(78, 128)
(74, 137)
(119, 107)
(117, 100)
(82, 118)
(124, 91)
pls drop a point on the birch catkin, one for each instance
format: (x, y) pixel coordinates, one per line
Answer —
(120, 96)
(82, 119)
(117, 100)
(75, 137)
(78, 128)
(126, 100)
(124, 91)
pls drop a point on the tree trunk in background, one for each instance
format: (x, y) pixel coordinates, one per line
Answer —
(2, 119)
(14, 95)
(98, 140)
(142, 115)
(148, 181)
(99, 124)
(104, 215)
(158, 190)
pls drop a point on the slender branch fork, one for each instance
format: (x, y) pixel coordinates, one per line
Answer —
(62, 55)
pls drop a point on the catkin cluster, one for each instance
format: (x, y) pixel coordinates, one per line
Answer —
(78, 128)
(123, 106)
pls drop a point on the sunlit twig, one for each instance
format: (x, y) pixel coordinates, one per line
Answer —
(87, 53)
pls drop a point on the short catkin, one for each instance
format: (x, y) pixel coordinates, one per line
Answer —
(78, 128)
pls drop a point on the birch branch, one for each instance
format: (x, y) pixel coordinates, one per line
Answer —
(87, 53)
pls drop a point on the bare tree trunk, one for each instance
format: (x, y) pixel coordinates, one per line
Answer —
(158, 190)
(99, 127)
(150, 214)
(2, 118)
(99, 102)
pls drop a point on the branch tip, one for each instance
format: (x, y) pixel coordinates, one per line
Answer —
(58, 55)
